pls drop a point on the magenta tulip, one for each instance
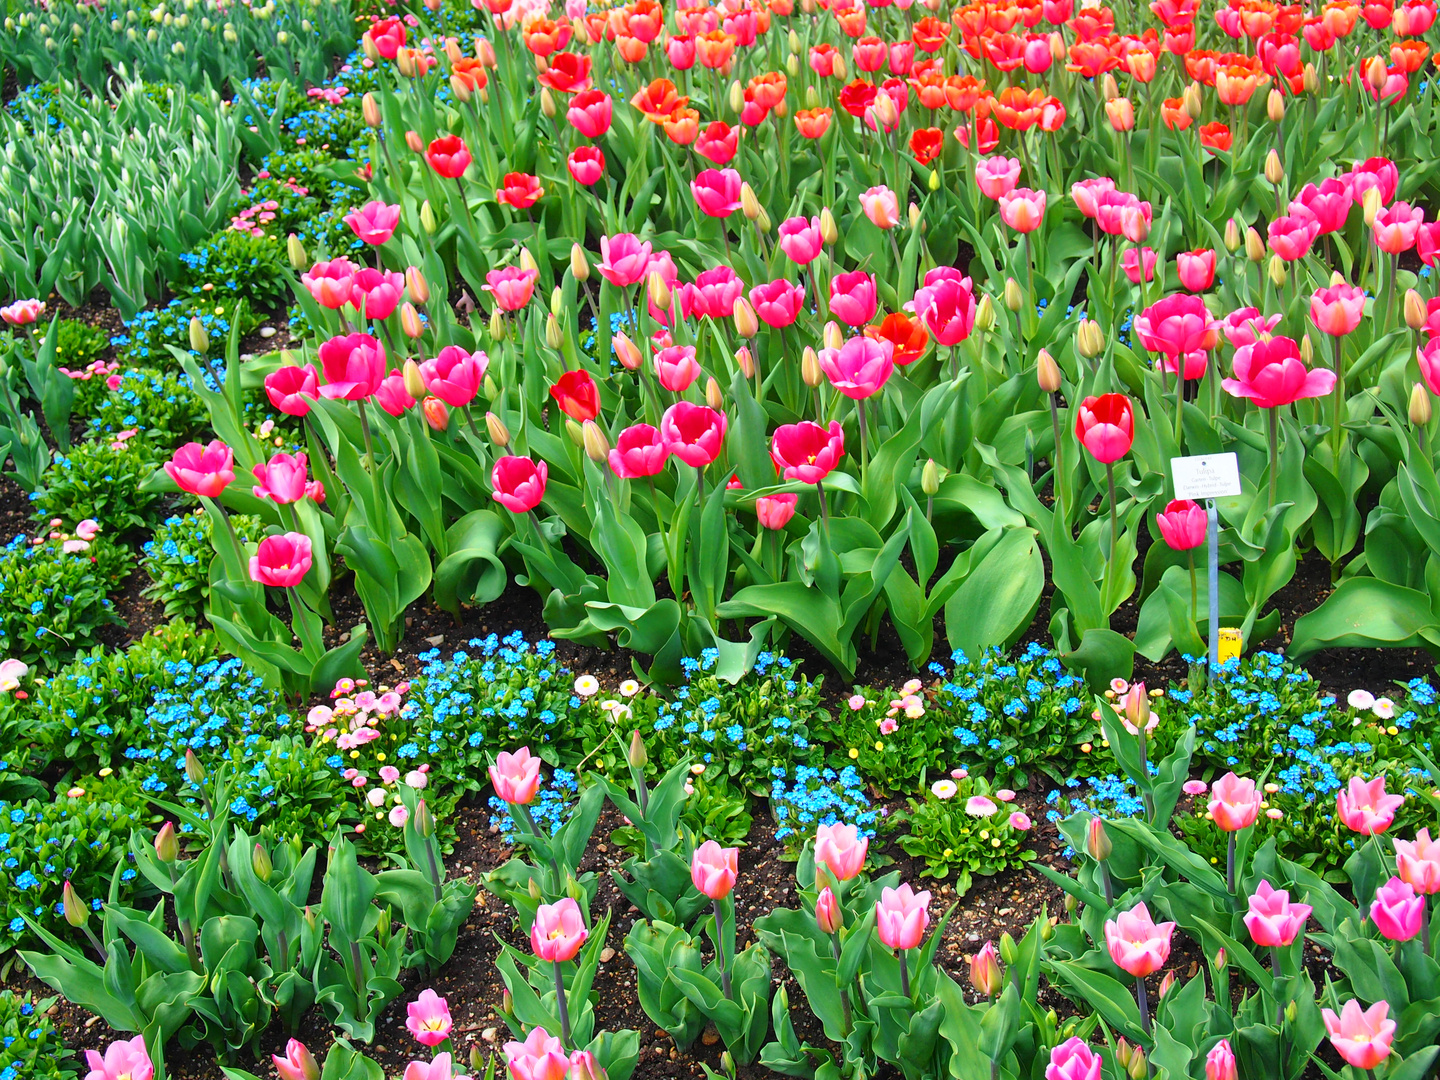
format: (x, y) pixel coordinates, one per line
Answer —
(281, 561)
(693, 433)
(807, 452)
(860, 367)
(455, 376)
(354, 366)
(1271, 373)
(638, 452)
(1182, 525)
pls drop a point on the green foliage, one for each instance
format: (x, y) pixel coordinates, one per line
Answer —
(31, 1048)
(955, 835)
(100, 479)
(54, 603)
(149, 333)
(79, 344)
(158, 404)
(234, 264)
(177, 560)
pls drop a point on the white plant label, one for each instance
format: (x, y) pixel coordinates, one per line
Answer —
(1207, 476)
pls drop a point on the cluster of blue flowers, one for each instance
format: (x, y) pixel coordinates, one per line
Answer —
(553, 800)
(818, 797)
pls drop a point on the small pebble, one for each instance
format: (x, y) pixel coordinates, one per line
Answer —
(438, 639)
(607, 954)
(267, 332)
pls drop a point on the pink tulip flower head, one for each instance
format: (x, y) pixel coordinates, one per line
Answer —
(1138, 944)
(638, 452)
(713, 869)
(1365, 807)
(1134, 264)
(714, 294)
(392, 396)
(1291, 237)
(1074, 1060)
(1196, 269)
(1327, 205)
(1273, 921)
(841, 849)
(775, 511)
(1418, 862)
(1182, 527)
(778, 303)
(806, 451)
(354, 366)
(455, 376)
(1023, 209)
(540, 1057)
(1362, 1037)
(1397, 227)
(293, 389)
(717, 192)
(693, 433)
(860, 367)
(22, 312)
(283, 479)
(800, 239)
(1085, 193)
(1271, 373)
(853, 297)
(558, 931)
(1337, 310)
(997, 176)
(516, 776)
(428, 1018)
(1177, 325)
(375, 293)
(624, 260)
(297, 1064)
(881, 206)
(901, 916)
(125, 1059)
(1220, 1062)
(202, 470)
(1234, 802)
(1397, 910)
(1246, 326)
(827, 911)
(676, 368)
(518, 483)
(282, 561)
(375, 222)
(331, 283)
(511, 287)
(946, 308)
(441, 1067)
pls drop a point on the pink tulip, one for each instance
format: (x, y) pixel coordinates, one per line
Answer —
(519, 483)
(775, 511)
(778, 303)
(590, 113)
(583, 1065)
(1182, 526)
(1338, 309)
(586, 165)
(354, 366)
(297, 1064)
(441, 1068)
(1177, 325)
(985, 974)
(1220, 1062)
(1131, 262)
(800, 239)
(283, 480)
(827, 912)
(693, 433)
(23, 313)
(1327, 205)
(1291, 237)
(624, 260)
(713, 869)
(1119, 213)
(1138, 944)
(539, 1057)
(1365, 807)
(638, 452)
(282, 561)
(376, 294)
(1428, 356)
(1361, 1037)
(841, 849)
(558, 931)
(1023, 209)
(901, 917)
(331, 283)
(511, 287)
(428, 1018)
(1074, 1060)
(714, 294)
(1272, 920)
(375, 222)
(997, 176)
(717, 192)
(392, 396)
(881, 206)
(1246, 326)
(946, 307)
(1397, 910)
(1271, 373)
(1418, 862)
(662, 265)
(516, 776)
(1196, 269)
(860, 367)
(807, 452)
(1085, 193)
(293, 389)
(202, 470)
(1234, 802)
(1105, 426)
(125, 1059)
(853, 297)
(1397, 226)
(455, 376)
(1427, 243)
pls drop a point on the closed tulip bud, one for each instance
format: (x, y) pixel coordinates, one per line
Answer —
(507, 1003)
(496, 429)
(312, 921)
(492, 389)
(1307, 352)
(737, 96)
(747, 324)
(1097, 843)
(933, 183)
(1254, 246)
(886, 114)
(597, 447)
(576, 432)
(367, 46)
(1274, 171)
(930, 477)
(414, 381)
(1008, 952)
(416, 285)
(1123, 1052)
(427, 218)
(410, 322)
(405, 62)
(260, 863)
(477, 1059)
(713, 397)
(792, 67)
(167, 845)
(461, 89)
(383, 928)
(828, 912)
(370, 110)
(1419, 405)
(1275, 106)
(832, 336)
(637, 757)
(199, 338)
(1167, 983)
(659, 291)
(829, 231)
(626, 352)
(1047, 928)
(1291, 1012)
(1336, 278)
(295, 251)
(557, 301)
(1139, 1068)
(497, 325)
(76, 913)
(914, 215)
(1232, 236)
(812, 96)
(1277, 271)
(579, 265)
(1376, 73)
(985, 314)
(749, 204)
(1014, 299)
(553, 337)
(193, 769)
(424, 820)
(413, 141)
(810, 368)
(1047, 372)
(841, 69)
(1219, 962)
(1311, 79)
(436, 413)
(1091, 338)
(547, 103)
(1109, 87)
(792, 42)
(527, 261)
(1415, 313)
(1071, 905)
(1371, 204)
(745, 361)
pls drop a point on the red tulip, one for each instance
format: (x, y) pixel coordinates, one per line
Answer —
(520, 190)
(577, 395)
(448, 156)
(1105, 426)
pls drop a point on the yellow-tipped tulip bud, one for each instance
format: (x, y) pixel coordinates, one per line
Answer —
(527, 261)
(1254, 246)
(76, 913)
(370, 110)
(427, 218)
(833, 337)
(1109, 87)
(749, 203)
(1419, 405)
(1232, 236)
(497, 325)
(576, 432)
(579, 264)
(637, 757)
(1014, 298)
(597, 447)
(745, 361)
(1275, 106)
(1278, 275)
(414, 381)
(547, 103)
(553, 337)
(713, 397)
(810, 368)
(295, 251)
(410, 321)
(626, 352)
(737, 96)
(1090, 339)
(1371, 204)
(1047, 372)
(496, 429)
(930, 477)
(416, 285)
(199, 337)
(985, 314)
(557, 301)
(1415, 310)
(746, 323)
(1274, 170)
(260, 863)
(829, 231)
(659, 291)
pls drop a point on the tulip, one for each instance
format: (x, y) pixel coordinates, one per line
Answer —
(1272, 920)
(1397, 910)
(714, 293)
(392, 396)
(1074, 1060)
(946, 307)
(558, 931)
(693, 433)
(125, 1059)
(516, 776)
(1245, 326)
(1086, 192)
(441, 1068)
(512, 287)
(1023, 209)
(841, 849)
(448, 156)
(331, 283)
(1271, 374)
(1362, 1037)
(1291, 237)
(283, 480)
(901, 916)
(1182, 525)
(1234, 802)
(807, 452)
(22, 312)
(455, 376)
(775, 511)
(376, 294)
(828, 913)
(375, 222)
(281, 561)
(518, 483)
(713, 869)
(167, 845)
(985, 970)
(428, 1018)
(717, 192)
(1365, 807)
(297, 1064)
(577, 395)
(1196, 269)
(638, 452)
(624, 260)
(354, 367)
(1220, 1062)
(1418, 862)
(1105, 426)
(1135, 263)
(590, 113)
(586, 165)
(800, 239)
(881, 206)
(1177, 325)
(860, 367)
(202, 470)
(540, 1057)
(778, 303)
(853, 297)
(1397, 227)
(292, 389)
(997, 176)
(1337, 310)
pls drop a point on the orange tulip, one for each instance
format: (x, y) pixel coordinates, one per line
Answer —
(658, 101)
(1173, 113)
(812, 123)
(683, 126)
(715, 49)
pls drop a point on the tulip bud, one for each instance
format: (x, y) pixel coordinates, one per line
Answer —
(812, 96)
(497, 325)
(749, 203)
(193, 769)
(833, 336)
(1275, 106)
(829, 231)
(436, 413)
(575, 431)
(1097, 843)
(1167, 983)
(413, 141)
(1371, 204)
(410, 322)
(414, 381)
(828, 912)
(1376, 73)
(1219, 962)
(199, 338)
(553, 336)
(498, 432)
(507, 1003)
(383, 928)
(1254, 246)
(1232, 236)
(423, 820)
(745, 361)
(477, 1059)
(427, 218)
(727, 1063)
(886, 113)
(737, 96)
(461, 89)
(1139, 1067)
(1071, 905)
(583, 1066)
(810, 368)
(312, 921)
(1014, 299)
(1008, 952)
(746, 323)
(1123, 1052)
(985, 314)
(1291, 1012)
(985, 974)
(914, 215)
(626, 352)
(841, 69)
(1109, 87)
(1091, 338)
(295, 250)
(713, 397)
(547, 103)
(597, 447)
(579, 265)
(167, 845)
(527, 261)
(933, 183)
(416, 286)
(930, 477)
(557, 301)
(1137, 707)
(1311, 79)
(1415, 311)
(370, 110)
(1274, 171)
(637, 757)
(1419, 405)
(260, 863)
(1277, 271)
(659, 291)
(1047, 372)
(1307, 351)
(76, 913)
(367, 46)
(1191, 101)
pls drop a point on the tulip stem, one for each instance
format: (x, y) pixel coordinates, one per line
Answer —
(1339, 394)
(864, 446)
(562, 1008)
(1275, 973)
(720, 950)
(1179, 399)
(1144, 1003)
(824, 510)
(535, 831)
(1194, 592)
(844, 994)
(1230, 864)
(1425, 925)
(382, 529)
(904, 972)
(1055, 456)
(1114, 518)
(1274, 426)
(104, 956)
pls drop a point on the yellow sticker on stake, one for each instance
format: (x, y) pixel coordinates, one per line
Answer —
(1229, 644)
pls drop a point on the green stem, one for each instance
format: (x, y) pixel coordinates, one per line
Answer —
(720, 951)
(1274, 431)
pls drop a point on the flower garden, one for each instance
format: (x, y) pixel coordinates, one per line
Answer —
(832, 539)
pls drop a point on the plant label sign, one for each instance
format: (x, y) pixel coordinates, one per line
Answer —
(1207, 476)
